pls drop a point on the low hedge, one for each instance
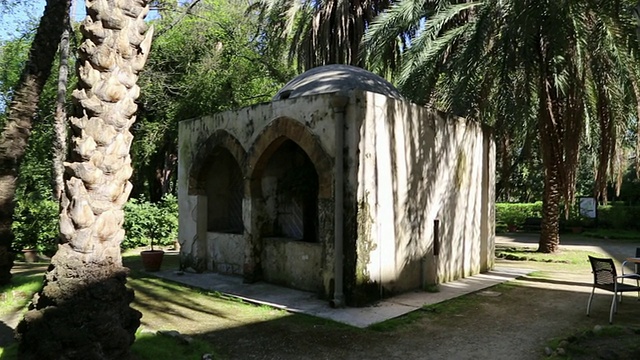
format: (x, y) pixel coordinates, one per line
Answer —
(619, 217)
(516, 213)
(35, 224)
(612, 216)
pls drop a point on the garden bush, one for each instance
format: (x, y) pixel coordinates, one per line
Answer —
(144, 221)
(612, 216)
(618, 216)
(516, 213)
(35, 225)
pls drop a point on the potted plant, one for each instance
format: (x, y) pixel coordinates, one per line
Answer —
(152, 259)
(151, 223)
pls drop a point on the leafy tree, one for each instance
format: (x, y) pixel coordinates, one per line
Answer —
(24, 100)
(82, 311)
(208, 58)
(13, 56)
(320, 32)
(547, 66)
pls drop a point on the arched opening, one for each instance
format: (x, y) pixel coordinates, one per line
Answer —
(224, 191)
(289, 185)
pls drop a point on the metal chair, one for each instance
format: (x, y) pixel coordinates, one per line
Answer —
(636, 273)
(606, 278)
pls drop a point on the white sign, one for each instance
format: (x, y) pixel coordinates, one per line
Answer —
(588, 207)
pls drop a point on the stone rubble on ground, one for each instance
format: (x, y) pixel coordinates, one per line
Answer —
(183, 339)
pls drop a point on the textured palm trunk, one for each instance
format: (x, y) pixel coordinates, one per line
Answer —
(551, 148)
(82, 311)
(549, 231)
(60, 121)
(15, 136)
(636, 93)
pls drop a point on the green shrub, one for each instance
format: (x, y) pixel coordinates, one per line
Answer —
(145, 221)
(612, 216)
(35, 225)
(516, 213)
(617, 216)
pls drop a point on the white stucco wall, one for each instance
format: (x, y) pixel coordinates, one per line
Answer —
(405, 167)
(414, 167)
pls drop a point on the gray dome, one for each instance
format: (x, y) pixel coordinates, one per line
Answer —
(334, 78)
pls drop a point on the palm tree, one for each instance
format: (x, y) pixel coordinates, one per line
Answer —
(320, 32)
(82, 311)
(59, 147)
(22, 110)
(522, 64)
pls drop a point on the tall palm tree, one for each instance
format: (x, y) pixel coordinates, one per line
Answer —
(22, 110)
(519, 64)
(320, 32)
(59, 148)
(82, 311)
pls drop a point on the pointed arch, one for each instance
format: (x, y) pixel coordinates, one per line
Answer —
(272, 137)
(197, 172)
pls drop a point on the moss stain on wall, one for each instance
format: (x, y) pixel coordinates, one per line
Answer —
(366, 289)
(461, 169)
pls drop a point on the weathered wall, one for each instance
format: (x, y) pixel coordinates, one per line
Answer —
(415, 166)
(252, 135)
(282, 255)
(405, 167)
(226, 252)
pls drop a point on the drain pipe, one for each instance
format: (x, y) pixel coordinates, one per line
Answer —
(339, 104)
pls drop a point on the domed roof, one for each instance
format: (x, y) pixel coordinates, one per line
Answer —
(333, 78)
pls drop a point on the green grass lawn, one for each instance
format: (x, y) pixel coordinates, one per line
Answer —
(17, 295)
(569, 257)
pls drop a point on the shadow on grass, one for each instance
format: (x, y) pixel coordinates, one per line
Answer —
(176, 297)
(555, 281)
(236, 330)
(149, 346)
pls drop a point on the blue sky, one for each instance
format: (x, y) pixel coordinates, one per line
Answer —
(25, 17)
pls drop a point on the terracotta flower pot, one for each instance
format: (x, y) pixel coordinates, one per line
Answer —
(152, 259)
(30, 255)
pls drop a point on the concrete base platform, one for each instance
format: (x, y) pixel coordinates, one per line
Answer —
(307, 303)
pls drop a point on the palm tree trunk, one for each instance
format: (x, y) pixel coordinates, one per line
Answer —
(15, 136)
(550, 146)
(549, 234)
(60, 121)
(82, 311)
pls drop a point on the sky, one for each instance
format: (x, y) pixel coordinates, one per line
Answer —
(25, 17)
